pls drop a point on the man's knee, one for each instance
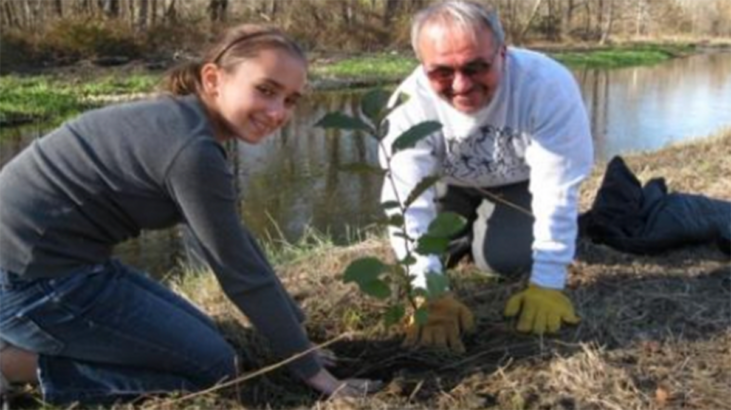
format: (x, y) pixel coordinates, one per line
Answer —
(506, 264)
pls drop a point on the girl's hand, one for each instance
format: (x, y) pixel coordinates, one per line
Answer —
(326, 357)
(327, 384)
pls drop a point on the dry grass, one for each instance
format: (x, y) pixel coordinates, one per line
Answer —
(655, 331)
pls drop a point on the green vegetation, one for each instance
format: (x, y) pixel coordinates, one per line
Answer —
(374, 65)
(57, 97)
(26, 99)
(374, 277)
(397, 66)
(621, 56)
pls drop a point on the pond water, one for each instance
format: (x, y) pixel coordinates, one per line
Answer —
(295, 180)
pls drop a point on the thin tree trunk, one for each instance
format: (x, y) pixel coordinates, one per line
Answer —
(532, 16)
(389, 10)
(11, 14)
(142, 15)
(58, 8)
(171, 13)
(638, 20)
(110, 8)
(606, 32)
(346, 12)
(217, 10)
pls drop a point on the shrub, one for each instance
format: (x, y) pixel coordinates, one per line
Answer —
(78, 38)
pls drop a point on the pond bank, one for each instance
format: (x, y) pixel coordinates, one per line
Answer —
(56, 94)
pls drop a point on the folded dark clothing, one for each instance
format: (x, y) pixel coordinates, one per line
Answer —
(647, 219)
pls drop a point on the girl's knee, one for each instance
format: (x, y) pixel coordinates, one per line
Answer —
(221, 367)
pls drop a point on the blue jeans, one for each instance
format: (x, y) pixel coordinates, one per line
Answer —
(109, 333)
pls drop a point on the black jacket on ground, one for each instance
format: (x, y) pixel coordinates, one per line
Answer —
(648, 220)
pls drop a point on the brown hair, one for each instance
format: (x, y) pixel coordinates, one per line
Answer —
(234, 46)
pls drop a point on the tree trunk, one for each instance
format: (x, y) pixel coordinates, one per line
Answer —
(389, 10)
(142, 12)
(532, 16)
(11, 15)
(58, 8)
(171, 13)
(638, 19)
(606, 32)
(346, 12)
(217, 10)
(110, 8)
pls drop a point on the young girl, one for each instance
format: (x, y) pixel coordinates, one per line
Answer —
(90, 329)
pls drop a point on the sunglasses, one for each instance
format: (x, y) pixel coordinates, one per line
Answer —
(475, 68)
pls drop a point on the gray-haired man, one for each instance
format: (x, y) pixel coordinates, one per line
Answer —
(514, 147)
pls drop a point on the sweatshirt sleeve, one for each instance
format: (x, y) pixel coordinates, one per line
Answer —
(560, 157)
(201, 183)
(407, 168)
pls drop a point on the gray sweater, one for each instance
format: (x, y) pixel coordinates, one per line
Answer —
(98, 180)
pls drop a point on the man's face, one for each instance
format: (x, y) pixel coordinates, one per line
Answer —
(463, 67)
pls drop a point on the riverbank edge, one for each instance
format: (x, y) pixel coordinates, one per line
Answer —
(319, 81)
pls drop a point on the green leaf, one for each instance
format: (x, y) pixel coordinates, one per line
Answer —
(364, 270)
(396, 220)
(446, 224)
(376, 288)
(394, 314)
(421, 316)
(419, 292)
(344, 122)
(415, 134)
(407, 260)
(436, 284)
(390, 205)
(374, 104)
(420, 188)
(361, 168)
(401, 99)
(427, 245)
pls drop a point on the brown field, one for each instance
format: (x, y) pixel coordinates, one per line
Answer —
(655, 331)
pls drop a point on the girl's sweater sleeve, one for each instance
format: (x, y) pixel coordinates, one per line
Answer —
(201, 183)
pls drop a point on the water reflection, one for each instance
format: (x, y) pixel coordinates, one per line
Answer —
(294, 180)
(646, 108)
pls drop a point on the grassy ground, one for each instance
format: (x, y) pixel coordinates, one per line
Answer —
(54, 98)
(622, 56)
(64, 92)
(655, 331)
(396, 66)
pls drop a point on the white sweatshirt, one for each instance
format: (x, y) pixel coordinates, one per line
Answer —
(535, 128)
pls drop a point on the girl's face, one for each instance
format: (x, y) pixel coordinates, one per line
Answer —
(257, 97)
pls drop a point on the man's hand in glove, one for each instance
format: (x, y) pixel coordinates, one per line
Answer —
(446, 321)
(541, 310)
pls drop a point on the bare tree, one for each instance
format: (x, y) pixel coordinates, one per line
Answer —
(606, 31)
(142, 13)
(389, 11)
(58, 7)
(217, 10)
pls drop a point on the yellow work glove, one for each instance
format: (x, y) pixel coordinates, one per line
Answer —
(447, 319)
(541, 310)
